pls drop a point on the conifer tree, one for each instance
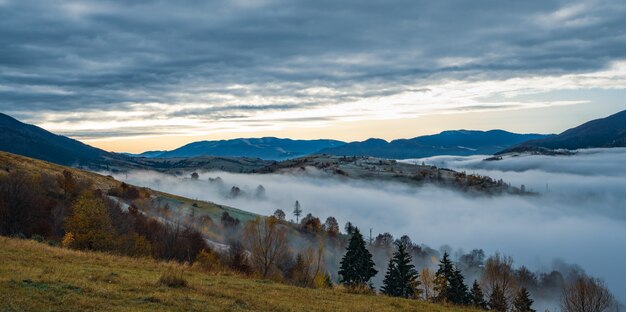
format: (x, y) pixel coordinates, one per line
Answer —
(458, 290)
(449, 284)
(390, 283)
(357, 266)
(401, 279)
(497, 300)
(477, 297)
(443, 277)
(522, 301)
(297, 211)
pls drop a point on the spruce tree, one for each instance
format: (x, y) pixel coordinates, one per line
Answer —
(390, 283)
(522, 301)
(497, 300)
(443, 277)
(477, 297)
(458, 290)
(357, 266)
(401, 278)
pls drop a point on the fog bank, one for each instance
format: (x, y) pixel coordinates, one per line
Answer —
(579, 217)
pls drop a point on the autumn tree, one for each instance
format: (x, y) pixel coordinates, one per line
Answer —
(331, 226)
(90, 224)
(279, 214)
(499, 272)
(383, 240)
(267, 241)
(21, 203)
(357, 266)
(311, 224)
(426, 278)
(586, 294)
(308, 267)
(522, 301)
(401, 279)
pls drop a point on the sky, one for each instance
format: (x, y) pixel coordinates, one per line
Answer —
(140, 75)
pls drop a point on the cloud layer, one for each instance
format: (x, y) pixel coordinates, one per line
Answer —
(581, 218)
(198, 66)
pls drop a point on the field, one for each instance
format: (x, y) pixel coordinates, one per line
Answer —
(37, 277)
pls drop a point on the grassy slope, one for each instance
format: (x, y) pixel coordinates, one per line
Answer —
(37, 277)
(10, 161)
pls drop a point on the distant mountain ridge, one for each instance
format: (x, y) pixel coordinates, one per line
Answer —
(269, 148)
(451, 142)
(31, 141)
(604, 132)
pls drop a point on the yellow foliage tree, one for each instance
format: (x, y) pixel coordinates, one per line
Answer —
(90, 224)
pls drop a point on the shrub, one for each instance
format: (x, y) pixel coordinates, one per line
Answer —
(38, 238)
(172, 278)
(68, 240)
(208, 260)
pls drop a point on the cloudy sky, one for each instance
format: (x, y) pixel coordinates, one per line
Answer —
(137, 75)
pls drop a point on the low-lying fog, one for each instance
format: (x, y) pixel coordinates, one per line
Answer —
(579, 216)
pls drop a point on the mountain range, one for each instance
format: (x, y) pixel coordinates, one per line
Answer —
(269, 148)
(603, 132)
(454, 142)
(29, 140)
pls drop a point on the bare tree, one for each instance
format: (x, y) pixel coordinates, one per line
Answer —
(586, 294)
(426, 278)
(499, 272)
(266, 241)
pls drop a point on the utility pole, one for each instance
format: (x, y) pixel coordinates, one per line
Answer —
(370, 236)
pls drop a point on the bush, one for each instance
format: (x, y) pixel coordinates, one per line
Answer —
(208, 260)
(38, 238)
(172, 278)
(360, 289)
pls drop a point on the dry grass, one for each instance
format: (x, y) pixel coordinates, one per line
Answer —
(173, 278)
(37, 277)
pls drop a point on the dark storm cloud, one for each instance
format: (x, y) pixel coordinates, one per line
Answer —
(105, 55)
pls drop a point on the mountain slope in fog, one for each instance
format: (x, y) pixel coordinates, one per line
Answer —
(269, 148)
(604, 132)
(455, 142)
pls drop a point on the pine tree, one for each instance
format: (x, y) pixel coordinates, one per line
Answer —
(497, 300)
(297, 211)
(391, 282)
(477, 297)
(443, 277)
(401, 278)
(458, 290)
(522, 301)
(357, 266)
(449, 284)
